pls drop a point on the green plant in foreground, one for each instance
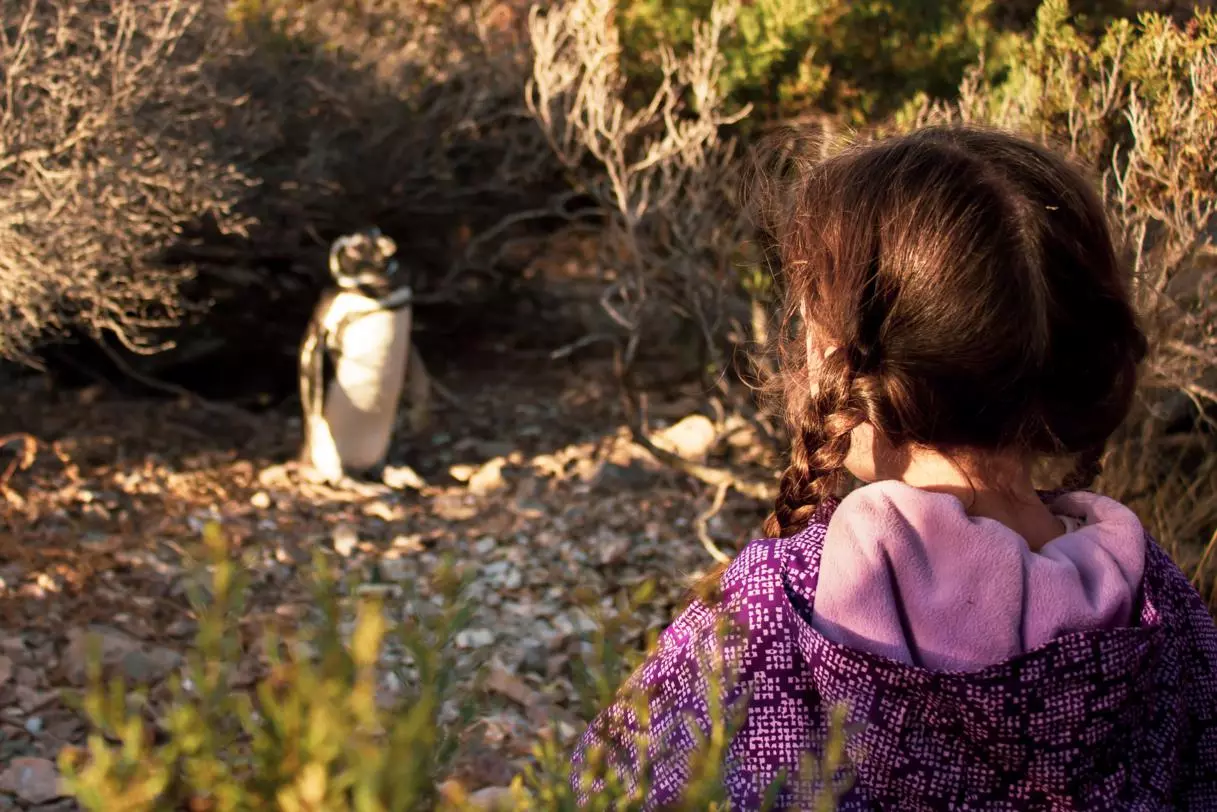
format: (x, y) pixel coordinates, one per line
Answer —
(318, 732)
(315, 733)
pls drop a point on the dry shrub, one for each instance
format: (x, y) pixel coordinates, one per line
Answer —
(659, 170)
(409, 114)
(150, 143)
(103, 158)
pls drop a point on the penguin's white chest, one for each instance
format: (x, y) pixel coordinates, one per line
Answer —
(369, 347)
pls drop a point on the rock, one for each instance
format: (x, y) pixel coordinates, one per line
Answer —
(535, 655)
(182, 627)
(33, 725)
(396, 569)
(401, 477)
(633, 477)
(147, 667)
(118, 650)
(33, 780)
(260, 500)
(6, 670)
(491, 798)
(485, 545)
(512, 579)
(488, 478)
(474, 638)
(690, 438)
(615, 550)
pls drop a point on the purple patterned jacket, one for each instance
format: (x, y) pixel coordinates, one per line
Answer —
(1119, 719)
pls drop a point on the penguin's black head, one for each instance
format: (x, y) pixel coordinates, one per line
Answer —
(364, 261)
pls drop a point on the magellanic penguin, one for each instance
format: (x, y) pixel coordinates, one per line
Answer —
(354, 359)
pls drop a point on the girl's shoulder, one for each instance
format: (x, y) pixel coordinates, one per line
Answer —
(773, 571)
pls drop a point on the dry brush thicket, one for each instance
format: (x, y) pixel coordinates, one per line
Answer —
(103, 152)
(145, 144)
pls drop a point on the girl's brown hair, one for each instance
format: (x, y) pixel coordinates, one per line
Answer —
(969, 280)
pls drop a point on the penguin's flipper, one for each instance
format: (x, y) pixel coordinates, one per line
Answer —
(316, 368)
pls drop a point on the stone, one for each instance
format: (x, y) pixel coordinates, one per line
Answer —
(33, 780)
(345, 539)
(474, 638)
(118, 650)
(402, 477)
(147, 667)
(488, 478)
(633, 476)
(690, 438)
(396, 569)
(614, 550)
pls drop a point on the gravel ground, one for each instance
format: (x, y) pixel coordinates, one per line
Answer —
(528, 482)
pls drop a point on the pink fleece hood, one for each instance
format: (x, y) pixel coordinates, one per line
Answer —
(908, 575)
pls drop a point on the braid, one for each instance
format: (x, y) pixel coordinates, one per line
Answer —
(1086, 470)
(817, 463)
(818, 450)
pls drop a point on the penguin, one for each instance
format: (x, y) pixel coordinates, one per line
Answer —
(354, 361)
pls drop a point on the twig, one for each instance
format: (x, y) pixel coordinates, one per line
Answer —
(1204, 560)
(24, 459)
(761, 491)
(580, 343)
(703, 520)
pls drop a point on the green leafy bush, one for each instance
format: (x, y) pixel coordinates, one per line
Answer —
(859, 60)
(317, 733)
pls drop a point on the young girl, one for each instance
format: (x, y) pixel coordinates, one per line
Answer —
(959, 314)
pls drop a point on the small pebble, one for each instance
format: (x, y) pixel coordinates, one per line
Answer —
(474, 638)
(345, 539)
(34, 725)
